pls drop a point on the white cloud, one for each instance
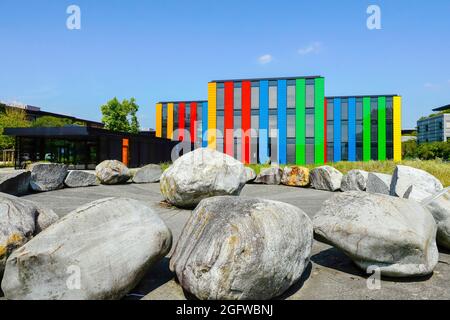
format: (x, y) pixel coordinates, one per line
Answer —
(265, 59)
(314, 47)
(431, 86)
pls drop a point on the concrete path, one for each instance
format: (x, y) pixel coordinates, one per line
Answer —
(330, 275)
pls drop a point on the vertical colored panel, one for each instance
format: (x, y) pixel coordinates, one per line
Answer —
(382, 128)
(325, 134)
(212, 119)
(246, 120)
(181, 120)
(159, 120)
(352, 129)
(282, 121)
(319, 103)
(397, 120)
(366, 129)
(194, 124)
(204, 125)
(170, 121)
(300, 121)
(263, 121)
(228, 139)
(125, 146)
(337, 130)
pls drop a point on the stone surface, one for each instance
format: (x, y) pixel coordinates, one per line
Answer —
(326, 178)
(394, 234)
(150, 173)
(45, 217)
(379, 183)
(355, 180)
(79, 179)
(111, 244)
(270, 176)
(16, 183)
(439, 206)
(237, 248)
(47, 176)
(112, 172)
(424, 184)
(250, 174)
(295, 176)
(201, 174)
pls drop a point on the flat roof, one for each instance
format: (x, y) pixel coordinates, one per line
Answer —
(443, 108)
(184, 101)
(364, 96)
(269, 79)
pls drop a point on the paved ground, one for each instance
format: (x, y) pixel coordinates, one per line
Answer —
(330, 275)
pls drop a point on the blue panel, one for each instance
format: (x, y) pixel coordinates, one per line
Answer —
(337, 130)
(204, 124)
(263, 121)
(352, 129)
(282, 125)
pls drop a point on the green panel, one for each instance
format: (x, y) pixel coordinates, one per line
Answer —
(300, 118)
(366, 129)
(382, 128)
(319, 120)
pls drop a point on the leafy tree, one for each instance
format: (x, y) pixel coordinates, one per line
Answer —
(49, 121)
(11, 118)
(426, 151)
(121, 116)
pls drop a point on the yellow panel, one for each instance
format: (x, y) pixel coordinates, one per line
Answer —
(159, 120)
(170, 121)
(212, 115)
(397, 115)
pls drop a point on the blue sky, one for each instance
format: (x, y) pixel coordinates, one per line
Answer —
(168, 50)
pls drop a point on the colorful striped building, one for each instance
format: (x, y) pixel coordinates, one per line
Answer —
(287, 121)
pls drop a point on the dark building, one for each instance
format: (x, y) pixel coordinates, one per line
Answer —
(84, 147)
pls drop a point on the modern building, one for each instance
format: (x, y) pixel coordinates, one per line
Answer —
(289, 121)
(435, 127)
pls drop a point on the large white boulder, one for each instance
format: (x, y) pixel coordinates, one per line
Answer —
(80, 179)
(396, 235)
(236, 248)
(16, 183)
(150, 173)
(439, 206)
(200, 174)
(355, 180)
(379, 183)
(112, 172)
(99, 251)
(414, 184)
(270, 175)
(326, 178)
(47, 176)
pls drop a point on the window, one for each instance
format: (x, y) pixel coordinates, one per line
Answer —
(330, 109)
(310, 125)
(255, 96)
(220, 99)
(310, 159)
(273, 123)
(176, 122)
(330, 151)
(359, 109)
(164, 120)
(291, 124)
(291, 156)
(374, 128)
(330, 131)
(220, 123)
(291, 96)
(237, 97)
(273, 96)
(310, 96)
(344, 109)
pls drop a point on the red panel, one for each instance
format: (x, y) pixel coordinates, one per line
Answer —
(325, 132)
(228, 140)
(193, 128)
(246, 106)
(181, 112)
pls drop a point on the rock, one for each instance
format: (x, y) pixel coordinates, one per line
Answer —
(326, 178)
(394, 234)
(79, 179)
(270, 175)
(295, 176)
(201, 174)
(99, 251)
(149, 174)
(250, 174)
(439, 206)
(424, 183)
(236, 248)
(112, 172)
(355, 180)
(45, 218)
(379, 183)
(47, 176)
(16, 183)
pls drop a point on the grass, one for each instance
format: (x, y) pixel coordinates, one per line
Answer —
(437, 168)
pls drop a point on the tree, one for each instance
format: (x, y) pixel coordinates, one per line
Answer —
(11, 118)
(49, 121)
(121, 116)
